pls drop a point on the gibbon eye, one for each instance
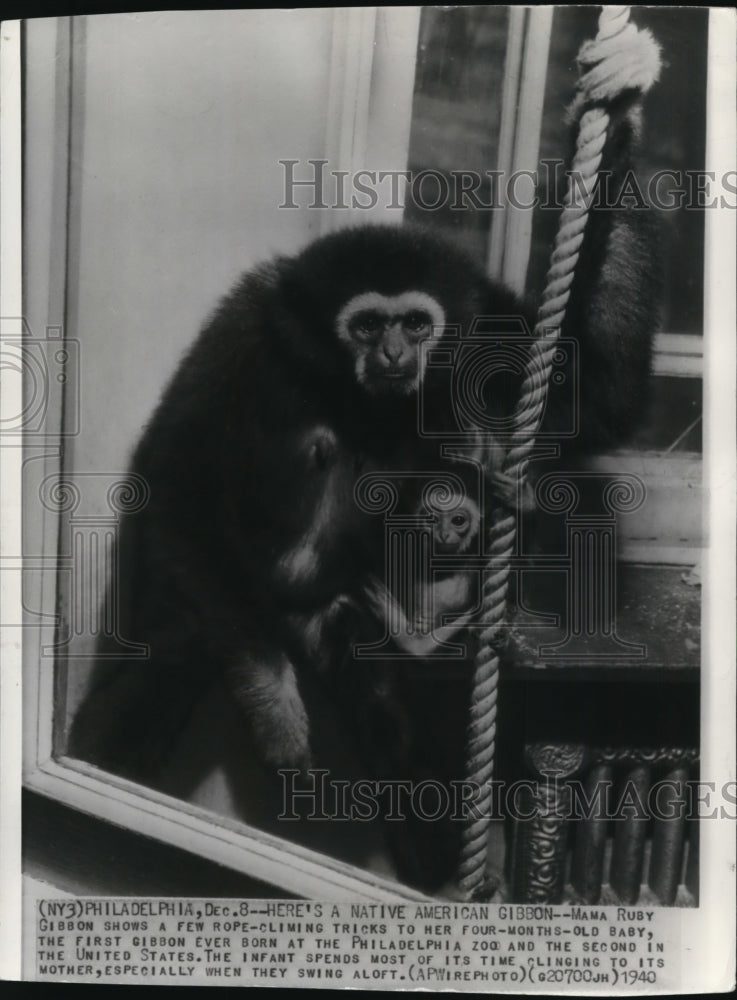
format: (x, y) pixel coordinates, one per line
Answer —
(458, 520)
(367, 323)
(416, 321)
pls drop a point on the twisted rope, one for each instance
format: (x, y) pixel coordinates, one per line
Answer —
(618, 59)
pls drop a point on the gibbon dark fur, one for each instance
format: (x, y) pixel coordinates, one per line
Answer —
(252, 531)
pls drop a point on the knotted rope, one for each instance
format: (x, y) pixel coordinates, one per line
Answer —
(619, 58)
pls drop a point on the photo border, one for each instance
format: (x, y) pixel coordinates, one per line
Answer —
(160, 816)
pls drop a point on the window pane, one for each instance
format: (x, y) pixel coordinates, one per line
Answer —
(455, 127)
(456, 113)
(673, 139)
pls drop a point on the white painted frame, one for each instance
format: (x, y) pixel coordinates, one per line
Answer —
(523, 97)
(372, 74)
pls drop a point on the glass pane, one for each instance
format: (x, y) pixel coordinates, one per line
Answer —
(673, 139)
(455, 127)
(456, 113)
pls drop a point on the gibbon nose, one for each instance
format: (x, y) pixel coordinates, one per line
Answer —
(392, 351)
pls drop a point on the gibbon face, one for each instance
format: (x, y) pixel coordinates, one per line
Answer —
(354, 308)
(383, 334)
(453, 530)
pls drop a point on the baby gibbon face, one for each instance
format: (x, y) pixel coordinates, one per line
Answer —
(383, 334)
(454, 530)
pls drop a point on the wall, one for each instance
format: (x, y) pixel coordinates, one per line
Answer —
(181, 119)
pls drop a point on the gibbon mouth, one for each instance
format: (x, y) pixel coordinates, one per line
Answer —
(396, 375)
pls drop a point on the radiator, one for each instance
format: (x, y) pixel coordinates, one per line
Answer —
(605, 826)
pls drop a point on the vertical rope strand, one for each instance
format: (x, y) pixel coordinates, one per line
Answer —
(619, 57)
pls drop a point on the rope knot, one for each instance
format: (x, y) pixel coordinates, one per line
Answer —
(609, 66)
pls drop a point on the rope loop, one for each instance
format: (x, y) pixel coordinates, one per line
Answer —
(620, 58)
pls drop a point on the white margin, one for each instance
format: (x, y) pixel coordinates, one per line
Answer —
(713, 954)
(711, 950)
(11, 459)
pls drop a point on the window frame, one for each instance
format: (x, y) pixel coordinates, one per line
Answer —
(354, 130)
